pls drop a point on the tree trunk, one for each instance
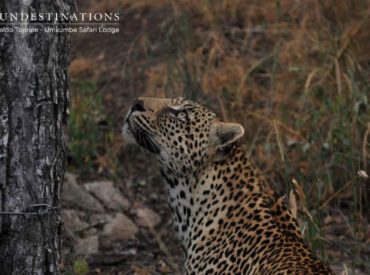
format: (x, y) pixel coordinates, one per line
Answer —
(33, 105)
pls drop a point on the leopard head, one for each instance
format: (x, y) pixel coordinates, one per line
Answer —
(184, 134)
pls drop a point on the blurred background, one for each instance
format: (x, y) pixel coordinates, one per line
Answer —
(295, 73)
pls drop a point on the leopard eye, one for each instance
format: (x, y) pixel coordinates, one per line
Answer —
(177, 112)
(182, 116)
(179, 115)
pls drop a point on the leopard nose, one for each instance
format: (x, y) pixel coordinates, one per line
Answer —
(138, 106)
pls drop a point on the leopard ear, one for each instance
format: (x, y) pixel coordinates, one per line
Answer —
(224, 134)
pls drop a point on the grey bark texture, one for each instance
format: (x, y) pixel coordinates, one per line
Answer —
(33, 106)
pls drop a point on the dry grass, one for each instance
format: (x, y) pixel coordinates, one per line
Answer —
(296, 75)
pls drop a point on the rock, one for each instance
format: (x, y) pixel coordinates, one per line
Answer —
(100, 218)
(108, 194)
(72, 220)
(89, 245)
(147, 217)
(91, 232)
(120, 228)
(74, 195)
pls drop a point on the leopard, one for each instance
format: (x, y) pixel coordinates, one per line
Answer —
(225, 213)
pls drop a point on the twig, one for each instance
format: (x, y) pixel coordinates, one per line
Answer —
(336, 193)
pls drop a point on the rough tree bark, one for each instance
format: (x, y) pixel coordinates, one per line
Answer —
(33, 104)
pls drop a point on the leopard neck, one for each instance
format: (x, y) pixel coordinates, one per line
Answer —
(189, 194)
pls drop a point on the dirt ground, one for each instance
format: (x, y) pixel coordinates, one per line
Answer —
(119, 66)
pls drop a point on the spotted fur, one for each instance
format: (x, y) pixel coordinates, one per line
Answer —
(227, 217)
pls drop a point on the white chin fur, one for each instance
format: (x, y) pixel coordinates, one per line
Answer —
(127, 135)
